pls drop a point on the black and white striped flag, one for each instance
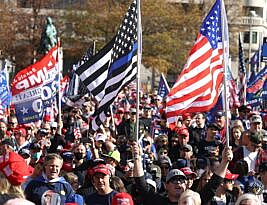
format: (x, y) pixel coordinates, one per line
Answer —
(114, 67)
(76, 88)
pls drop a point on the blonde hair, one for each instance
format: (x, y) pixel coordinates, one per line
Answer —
(7, 188)
(248, 196)
(192, 195)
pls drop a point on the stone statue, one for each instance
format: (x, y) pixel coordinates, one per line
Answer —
(49, 36)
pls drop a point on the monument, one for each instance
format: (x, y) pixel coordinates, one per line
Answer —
(49, 36)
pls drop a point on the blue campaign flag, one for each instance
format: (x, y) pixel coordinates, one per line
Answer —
(5, 94)
(255, 89)
(163, 89)
(264, 96)
(252, 76)
(254, 61)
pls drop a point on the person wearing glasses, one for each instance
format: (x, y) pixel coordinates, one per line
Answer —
(176, 181)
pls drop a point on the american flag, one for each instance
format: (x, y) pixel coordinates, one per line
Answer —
(163, 89)
(232, 97)
(123, 66)
(242, 73)
(197, 87)
(77, 133)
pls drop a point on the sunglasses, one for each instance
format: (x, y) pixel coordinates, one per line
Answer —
(177, 181)
(163, 153)
(163, 141)
(175, 141)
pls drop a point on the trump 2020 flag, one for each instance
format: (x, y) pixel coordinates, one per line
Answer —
(197, 87)
(163, 89)
(5, 95)
(35, 87)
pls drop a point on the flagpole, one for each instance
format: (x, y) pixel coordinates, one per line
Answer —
(259, 60)
(225, 72)
(244, 78)
(60, 66)
(90, 96)
(164, 79)
(138, 68)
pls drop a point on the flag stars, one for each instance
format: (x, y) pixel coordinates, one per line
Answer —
(24, 110)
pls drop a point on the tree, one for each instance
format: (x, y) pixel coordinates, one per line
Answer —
(166, 39)
(21, 35)
(7, 34)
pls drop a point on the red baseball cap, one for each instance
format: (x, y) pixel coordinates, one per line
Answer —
(122, 198)
(230, 176)
(183, 131)
(186, 116)
(14, 167)
(187, 171)
(121, 110)
(20, 130)
(101, 168)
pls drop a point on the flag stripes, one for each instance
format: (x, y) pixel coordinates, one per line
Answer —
(77, 133)
(198, 86)
(123, 66)
(114, 86)
(94, 72)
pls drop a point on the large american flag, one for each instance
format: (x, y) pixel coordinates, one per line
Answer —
(197, 87)
(123, 63)
(242, 73)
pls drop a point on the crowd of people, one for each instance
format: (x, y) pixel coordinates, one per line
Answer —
(65, 162)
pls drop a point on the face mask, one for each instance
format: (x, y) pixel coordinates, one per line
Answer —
(36, 156)
(78, 155)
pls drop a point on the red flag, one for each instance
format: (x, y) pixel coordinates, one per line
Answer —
(197, 88)
(35, 74)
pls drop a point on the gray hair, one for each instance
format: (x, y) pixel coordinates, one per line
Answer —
(248, 196)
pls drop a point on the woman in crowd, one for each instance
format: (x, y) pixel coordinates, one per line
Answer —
(236, 133)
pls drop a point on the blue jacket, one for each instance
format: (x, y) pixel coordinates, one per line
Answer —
(37, 187)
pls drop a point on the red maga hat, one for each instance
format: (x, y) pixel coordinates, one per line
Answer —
(14, 167)
(230, 176)
(122, 198)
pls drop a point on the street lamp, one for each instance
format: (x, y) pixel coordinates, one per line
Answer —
(251, 14)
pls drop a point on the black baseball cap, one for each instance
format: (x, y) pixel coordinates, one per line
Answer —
(213, 125)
